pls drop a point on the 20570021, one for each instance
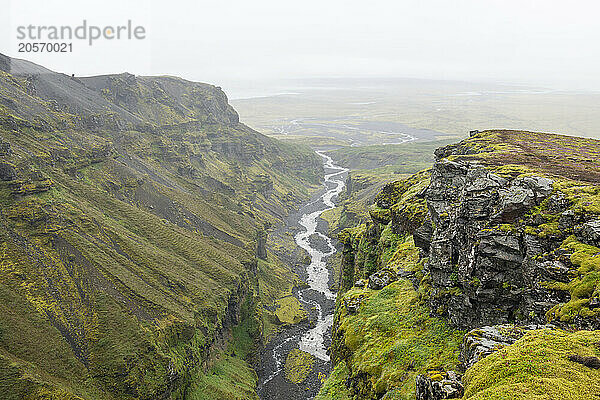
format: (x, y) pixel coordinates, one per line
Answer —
(45, 47)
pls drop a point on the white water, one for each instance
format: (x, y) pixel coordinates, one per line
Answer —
(313, 341)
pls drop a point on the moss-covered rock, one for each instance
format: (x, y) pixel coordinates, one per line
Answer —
(390, 340)
(298, 365)
(537, 366)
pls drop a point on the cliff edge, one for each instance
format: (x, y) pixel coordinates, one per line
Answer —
(478, 278)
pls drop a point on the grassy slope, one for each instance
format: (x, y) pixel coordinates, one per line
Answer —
(128, 251)
(392, 338)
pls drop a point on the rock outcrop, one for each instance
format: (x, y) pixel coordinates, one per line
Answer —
(495, 238)
(495, 267)
(481, 342)
(500, 239)
(446, 386)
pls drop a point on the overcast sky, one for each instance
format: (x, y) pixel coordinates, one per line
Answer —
(543, 42)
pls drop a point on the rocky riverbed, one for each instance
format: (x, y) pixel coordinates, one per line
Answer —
(313, 337)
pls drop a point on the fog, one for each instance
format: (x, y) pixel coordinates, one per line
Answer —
(548, 43)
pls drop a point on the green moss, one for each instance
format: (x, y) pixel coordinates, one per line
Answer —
(289, 310)
(393, 338)
(537, 366)
(407, 209)
(509, 228)
(298, 365)
(584, 197)
(510, 171)
(584, 285)
(128, 271)
(334, 387)
(229, 378)
(406, 256)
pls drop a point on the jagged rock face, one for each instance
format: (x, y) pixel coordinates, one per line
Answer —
(495, 273)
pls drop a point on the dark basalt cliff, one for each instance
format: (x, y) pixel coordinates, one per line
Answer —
(129, 212)
(499, 236)
(498, 239)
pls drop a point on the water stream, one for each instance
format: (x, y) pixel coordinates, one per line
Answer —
(317, 297)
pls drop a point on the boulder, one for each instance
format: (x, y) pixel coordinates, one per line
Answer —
(515, 201)
(353, 303)
(381, 279)
(480, 343)
(541, 186)
(8, 172)
(590, 233)
(439, 386)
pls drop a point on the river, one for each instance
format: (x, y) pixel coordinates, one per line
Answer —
(317, 298)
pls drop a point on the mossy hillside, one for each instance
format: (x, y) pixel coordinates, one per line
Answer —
(380, 349)
(334, 387)
(364, 252)
(229, 375)
(570, 157)
(132, 244)
(390, 340)
(537, 366)
(228, 378)
(154, 244)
